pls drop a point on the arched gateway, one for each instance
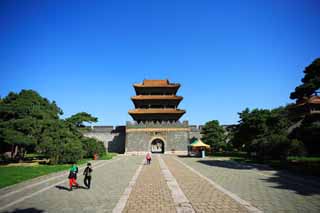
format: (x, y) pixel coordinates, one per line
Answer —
(157, 146)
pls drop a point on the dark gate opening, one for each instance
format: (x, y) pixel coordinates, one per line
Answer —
(157, 146)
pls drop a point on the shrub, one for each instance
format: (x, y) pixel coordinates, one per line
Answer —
(296, 148)
(72, 152)
(92, 146)
(273, 146)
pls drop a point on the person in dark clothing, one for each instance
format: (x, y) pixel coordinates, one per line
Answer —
(87, 175)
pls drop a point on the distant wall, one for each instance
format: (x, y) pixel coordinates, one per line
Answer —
(132, 138)
(112, 137)
(195, 132)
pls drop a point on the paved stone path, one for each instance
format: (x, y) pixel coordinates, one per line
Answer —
(150, 193)
(268, 190)
(108, 184)
(203, 197)
(206, 185)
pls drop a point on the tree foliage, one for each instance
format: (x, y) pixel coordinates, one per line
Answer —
(309, 130)
(214, 135)
(310, 82)
(93, 146)
(264, 132)
(80, 118)
(21, 118)
(28, 120)
(309, 133)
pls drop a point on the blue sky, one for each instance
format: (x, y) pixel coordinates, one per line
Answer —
(227, 55)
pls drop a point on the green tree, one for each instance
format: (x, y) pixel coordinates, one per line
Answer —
(80, 118)
(264, 132)
(252, 124)
(310, 82)
(308, 130)
(28, 120)
(54, 138)
(93, 146)
(309, 133)
(21, 117)
(214, 135)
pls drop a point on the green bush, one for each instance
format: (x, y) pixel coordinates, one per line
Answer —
(72, 152)
(92, 146)
(273, 146)
(296, 148)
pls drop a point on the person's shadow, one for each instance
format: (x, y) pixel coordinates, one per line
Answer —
(67, 189)
(28, 210)
(62, 188)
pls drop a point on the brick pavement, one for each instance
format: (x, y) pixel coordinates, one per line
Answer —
(108, 184)
(202, 195)
(269, 190)
(150, 193)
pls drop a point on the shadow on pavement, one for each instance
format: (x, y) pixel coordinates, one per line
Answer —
(62, 188)
(28, 210)
(67, 188)
(281, 179)
(303, 185)
(230, 164)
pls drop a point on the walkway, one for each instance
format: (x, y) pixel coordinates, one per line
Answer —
(109, 180)
(268, 190)
(169, 184)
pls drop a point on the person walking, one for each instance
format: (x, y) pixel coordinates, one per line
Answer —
(148, 158)
(73, 176)
(87, 175)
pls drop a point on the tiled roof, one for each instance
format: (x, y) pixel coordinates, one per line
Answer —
(156, 97)
(156, 83)
(157, 111)
(311, 100)
(314, 100)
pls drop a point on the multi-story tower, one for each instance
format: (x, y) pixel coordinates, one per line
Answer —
(156, 100)
(156, 127)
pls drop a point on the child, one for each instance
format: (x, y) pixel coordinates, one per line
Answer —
(148, 157)
(87, 175)
(73, 176)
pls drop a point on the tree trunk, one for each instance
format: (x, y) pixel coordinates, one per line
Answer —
(14, 150)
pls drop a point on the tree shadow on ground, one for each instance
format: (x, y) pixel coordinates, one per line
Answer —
(302, 185)
(279, 179)
(27, 210)
(233, 165)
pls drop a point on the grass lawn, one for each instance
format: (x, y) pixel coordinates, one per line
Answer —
(10, 175)
(107, 156)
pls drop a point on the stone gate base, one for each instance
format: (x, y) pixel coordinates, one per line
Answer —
(174, 137)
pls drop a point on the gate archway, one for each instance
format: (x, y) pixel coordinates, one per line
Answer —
(157, 146)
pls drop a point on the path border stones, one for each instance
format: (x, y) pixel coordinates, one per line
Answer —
(180, 200)
(233, 196)
(125, 196)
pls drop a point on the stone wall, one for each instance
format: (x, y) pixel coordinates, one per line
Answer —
(137, 138)
(112, 137)
(140, 141)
